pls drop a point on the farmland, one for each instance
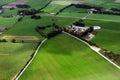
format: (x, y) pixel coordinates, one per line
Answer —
(108, 36)
(65, 62)
(61, 57)
(2, 2)
(13, 57)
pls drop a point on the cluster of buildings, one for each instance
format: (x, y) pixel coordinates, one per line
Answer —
(80, 30)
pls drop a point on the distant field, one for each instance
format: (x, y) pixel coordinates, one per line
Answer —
(37, 4)
(13, 56)
(108, 36)
(8, 22)
(102, 17)
(59, 60)
(27, 26)
(2, 2)
(56, 5)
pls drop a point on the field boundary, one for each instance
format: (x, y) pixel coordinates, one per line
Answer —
(29, 61)
(94, 50)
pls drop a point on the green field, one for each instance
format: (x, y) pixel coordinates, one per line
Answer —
(71, 60)
(2, 2)
(13, 56)
(56, 5)
(108, 36)
(8, 22)
(61, 57)
(25, 28)
(38, 4)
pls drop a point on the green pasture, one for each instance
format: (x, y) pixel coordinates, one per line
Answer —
(108, 36)
(27, 26)
(8, 22)
(13, 56)
(38, 4)
(2, 2)
(65, 58)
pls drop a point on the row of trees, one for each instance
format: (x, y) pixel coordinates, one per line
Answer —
(13, 40)
(23, 6)
(112, 56)
(79, 23)
(106, 12)
(35, 17)
(53, 34)
(115, 9)
(28, 12)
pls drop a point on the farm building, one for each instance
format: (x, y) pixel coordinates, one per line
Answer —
(96, 27)
(76, 28)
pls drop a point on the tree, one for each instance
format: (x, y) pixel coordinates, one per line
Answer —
(13, 40)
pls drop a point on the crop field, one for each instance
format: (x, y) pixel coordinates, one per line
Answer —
(65, 62)
(108, 36)
(13, 57)
(38, 4)
(25, 28)
(56, 5)
(2, 2)
(8, 22)
(61, 57)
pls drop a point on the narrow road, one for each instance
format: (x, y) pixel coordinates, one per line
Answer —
(30, 60)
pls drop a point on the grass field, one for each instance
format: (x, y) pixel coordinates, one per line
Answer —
(8, 22)
(65, 62)
(108, 36)
(56, 5)
(13, 56)
(25, 28)
(38, 4)
(2, 2)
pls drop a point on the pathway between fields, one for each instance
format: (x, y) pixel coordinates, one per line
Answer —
(94, 49)
(29, 61)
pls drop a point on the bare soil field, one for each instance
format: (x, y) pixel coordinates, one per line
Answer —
(21, 37)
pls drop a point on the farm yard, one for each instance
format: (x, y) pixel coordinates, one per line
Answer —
(26, 24)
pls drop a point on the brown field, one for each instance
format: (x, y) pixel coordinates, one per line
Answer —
(20, 37)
